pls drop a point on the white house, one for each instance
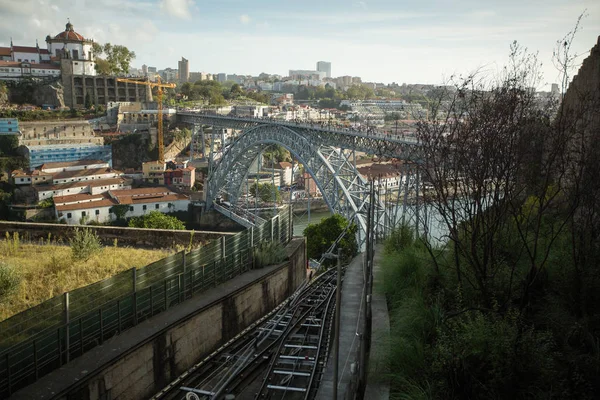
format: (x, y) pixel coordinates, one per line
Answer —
(285, 173)
(82, 208)
(54, 167)
(85, 175)
(93, 187)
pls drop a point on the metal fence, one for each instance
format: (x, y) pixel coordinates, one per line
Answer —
(45, 337)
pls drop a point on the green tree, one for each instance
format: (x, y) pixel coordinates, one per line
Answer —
(119, 210)
(320, 237)
(236, 91)
(112, 59)
(266, 192)
(88, 101)
(157, 220)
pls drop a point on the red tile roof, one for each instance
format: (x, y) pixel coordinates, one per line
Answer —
(83, 206)
(69, 35)
(29, 49)
(70, 164)
(4, 51)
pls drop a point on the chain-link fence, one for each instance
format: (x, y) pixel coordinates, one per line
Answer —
(45, 337)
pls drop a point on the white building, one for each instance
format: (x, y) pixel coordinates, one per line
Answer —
(85, 175)
(70, 45)
(92, 187)
(83, 208)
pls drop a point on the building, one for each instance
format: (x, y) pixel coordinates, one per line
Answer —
(92, 187)
(285, 173)
(9, 126)
(302, 74)
(81, 175)
(154, 172)
(38, 155)
(184, 70)
(56, 167)
(221, 77)
(83, 208)
(169, 74)
(28, 178)
(144, 70)
(17, 70)
(324, 66)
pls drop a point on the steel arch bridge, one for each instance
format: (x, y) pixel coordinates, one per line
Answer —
(325, 153)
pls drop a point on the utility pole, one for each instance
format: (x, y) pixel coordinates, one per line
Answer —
(336, 348)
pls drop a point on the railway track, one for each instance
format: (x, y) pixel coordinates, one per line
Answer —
(281, 356)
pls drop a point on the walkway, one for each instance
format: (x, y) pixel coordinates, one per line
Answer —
(351, 323)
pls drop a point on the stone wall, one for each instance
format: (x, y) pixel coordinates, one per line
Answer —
(153, 238)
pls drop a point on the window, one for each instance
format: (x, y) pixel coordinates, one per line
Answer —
(130, 208)
(83, 214)
(144, 207)
(68, 215)
(97, 212)
(156, 206)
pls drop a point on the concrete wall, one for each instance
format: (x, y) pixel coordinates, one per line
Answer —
(151, 365)
(156, 238)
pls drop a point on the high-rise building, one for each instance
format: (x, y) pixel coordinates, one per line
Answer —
(222, 77)
(324, 66)
(184, 70)
(145, 70)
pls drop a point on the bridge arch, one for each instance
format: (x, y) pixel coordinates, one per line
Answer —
(343, 188)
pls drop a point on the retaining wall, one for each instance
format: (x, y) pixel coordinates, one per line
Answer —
(154, 238)
(151, 363)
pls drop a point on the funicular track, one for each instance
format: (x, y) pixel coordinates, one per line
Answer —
(281, 356)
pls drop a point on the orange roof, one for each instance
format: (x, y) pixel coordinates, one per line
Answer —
(4, 51)
(70, 164)
(85, 172)
(141, 191)
(83, 206)
(78, 197)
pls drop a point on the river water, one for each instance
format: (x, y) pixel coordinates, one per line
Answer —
(436, 230)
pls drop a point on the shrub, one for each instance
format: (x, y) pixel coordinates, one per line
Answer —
(84, 243)
(9, 280)
(268, 253)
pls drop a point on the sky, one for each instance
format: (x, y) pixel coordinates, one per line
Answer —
(379, 40)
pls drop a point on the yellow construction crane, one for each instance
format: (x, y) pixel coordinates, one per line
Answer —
(160, 86)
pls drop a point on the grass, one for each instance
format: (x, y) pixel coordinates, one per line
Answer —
(48, 270)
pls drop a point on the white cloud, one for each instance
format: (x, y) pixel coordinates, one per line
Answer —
(244, 19)
(55, 7)
(177, 8)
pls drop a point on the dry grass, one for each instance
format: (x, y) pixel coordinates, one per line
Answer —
(48, 270)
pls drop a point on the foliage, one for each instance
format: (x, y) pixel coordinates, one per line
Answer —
(266, 192)
(84, 244)
(320, 237)
(119, 210)
(47, 269)
(41, 115)
(9, 281)
(268, 253)
(46, 203)
(360, 92)
(277, 153)
(112, 59)
(156, 220)
(12, 244)
(8, 145)
(509, 306)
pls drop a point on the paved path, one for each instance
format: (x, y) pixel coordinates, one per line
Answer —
(378, 387)
(351, 322)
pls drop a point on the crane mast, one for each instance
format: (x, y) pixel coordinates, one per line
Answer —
(160, 86)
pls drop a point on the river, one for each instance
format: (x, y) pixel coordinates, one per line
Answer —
(436, 229)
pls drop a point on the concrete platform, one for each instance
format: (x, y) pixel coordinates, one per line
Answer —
(378, 386)
(351, 325)
(58, 382)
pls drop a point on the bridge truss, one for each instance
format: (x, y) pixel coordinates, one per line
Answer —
(328, 155)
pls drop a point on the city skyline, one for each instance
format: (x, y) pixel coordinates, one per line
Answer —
(381, 41)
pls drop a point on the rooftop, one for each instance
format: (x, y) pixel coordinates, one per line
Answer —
(85, 172)
(80, 163)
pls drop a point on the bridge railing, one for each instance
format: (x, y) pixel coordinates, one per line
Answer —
(362, 131)
(45, 337)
